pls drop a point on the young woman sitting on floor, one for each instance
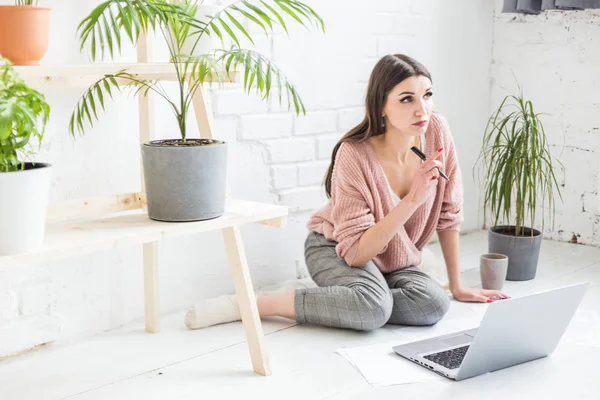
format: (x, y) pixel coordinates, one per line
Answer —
(364, 247)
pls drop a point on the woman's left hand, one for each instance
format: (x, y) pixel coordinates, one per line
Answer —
(478, 295)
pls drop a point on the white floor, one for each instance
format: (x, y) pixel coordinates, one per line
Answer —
(213, 363)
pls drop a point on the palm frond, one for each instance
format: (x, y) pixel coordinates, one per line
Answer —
(93, 99)
(263, 13)
(104, 27)
(182, 28)
(259, 74)
(205, 67)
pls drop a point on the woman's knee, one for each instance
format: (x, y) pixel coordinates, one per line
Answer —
(374, 307)
(437, 305)
(420, 304)
(441, 305)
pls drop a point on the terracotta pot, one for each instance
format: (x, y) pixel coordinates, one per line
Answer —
(24, 33)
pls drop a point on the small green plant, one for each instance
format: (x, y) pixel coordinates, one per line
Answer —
(24, 114)
(115, 21)
(26, 2)
(517, 168)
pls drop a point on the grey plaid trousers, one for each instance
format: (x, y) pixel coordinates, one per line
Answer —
(364, 298)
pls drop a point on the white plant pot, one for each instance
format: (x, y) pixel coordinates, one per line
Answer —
(204, 13)
(23, 204)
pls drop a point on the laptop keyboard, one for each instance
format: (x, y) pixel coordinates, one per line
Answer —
(450, 359)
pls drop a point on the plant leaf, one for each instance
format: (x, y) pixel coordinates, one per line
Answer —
(230, 32)
(239, 26)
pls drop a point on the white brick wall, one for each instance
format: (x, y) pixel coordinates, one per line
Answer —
(409, 24)
(325, 145)
(274, 156)
(315, 122)
(8, 300)
(266, 126)
(427, 6)
(383, 23)
(19, 336)
(394, 6)
(290, 150)
(555, 57)
(284, 176)
(302, 199)
(350, 117)
(35, 300)
(237, 103)
(312, 173)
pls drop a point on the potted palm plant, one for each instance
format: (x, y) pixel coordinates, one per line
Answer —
(185, 177)
(24, 185)
(519, 177)
(24, 31)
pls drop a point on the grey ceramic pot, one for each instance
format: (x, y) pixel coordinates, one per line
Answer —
(183, 182)
(523, 251)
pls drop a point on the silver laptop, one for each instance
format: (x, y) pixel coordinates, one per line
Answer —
(512, 331)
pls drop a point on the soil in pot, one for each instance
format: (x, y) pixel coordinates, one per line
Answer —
(512, 231)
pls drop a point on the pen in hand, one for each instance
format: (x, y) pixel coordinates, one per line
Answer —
(422, 156)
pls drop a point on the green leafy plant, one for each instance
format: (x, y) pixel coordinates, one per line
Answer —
(24, 114)
(518, 167)
(115, 21)
(26, 2)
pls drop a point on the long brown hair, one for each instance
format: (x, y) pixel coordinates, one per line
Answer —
(389, 71)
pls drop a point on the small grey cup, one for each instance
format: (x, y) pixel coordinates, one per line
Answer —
(493, 268)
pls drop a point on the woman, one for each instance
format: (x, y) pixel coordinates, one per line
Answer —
(385, 204)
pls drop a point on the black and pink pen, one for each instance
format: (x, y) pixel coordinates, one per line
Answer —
(422, 156)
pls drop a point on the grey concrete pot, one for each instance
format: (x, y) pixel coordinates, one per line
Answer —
(185, 182)
(523, 251)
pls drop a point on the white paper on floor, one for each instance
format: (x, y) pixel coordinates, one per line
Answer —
(381, 366)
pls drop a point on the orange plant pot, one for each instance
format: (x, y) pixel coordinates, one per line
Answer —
(24, 33)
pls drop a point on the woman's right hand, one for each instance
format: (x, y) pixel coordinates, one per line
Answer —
(426, 177)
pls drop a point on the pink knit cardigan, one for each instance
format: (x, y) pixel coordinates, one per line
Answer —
(360, 197)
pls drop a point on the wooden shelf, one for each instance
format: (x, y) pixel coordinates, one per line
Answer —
(76, 237)
(69, 233)
(86, 74)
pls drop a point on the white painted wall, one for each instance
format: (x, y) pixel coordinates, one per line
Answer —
(275, 157)
(556, 59)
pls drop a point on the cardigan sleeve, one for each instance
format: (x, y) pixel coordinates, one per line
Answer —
(451, 214)
(351, 214)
